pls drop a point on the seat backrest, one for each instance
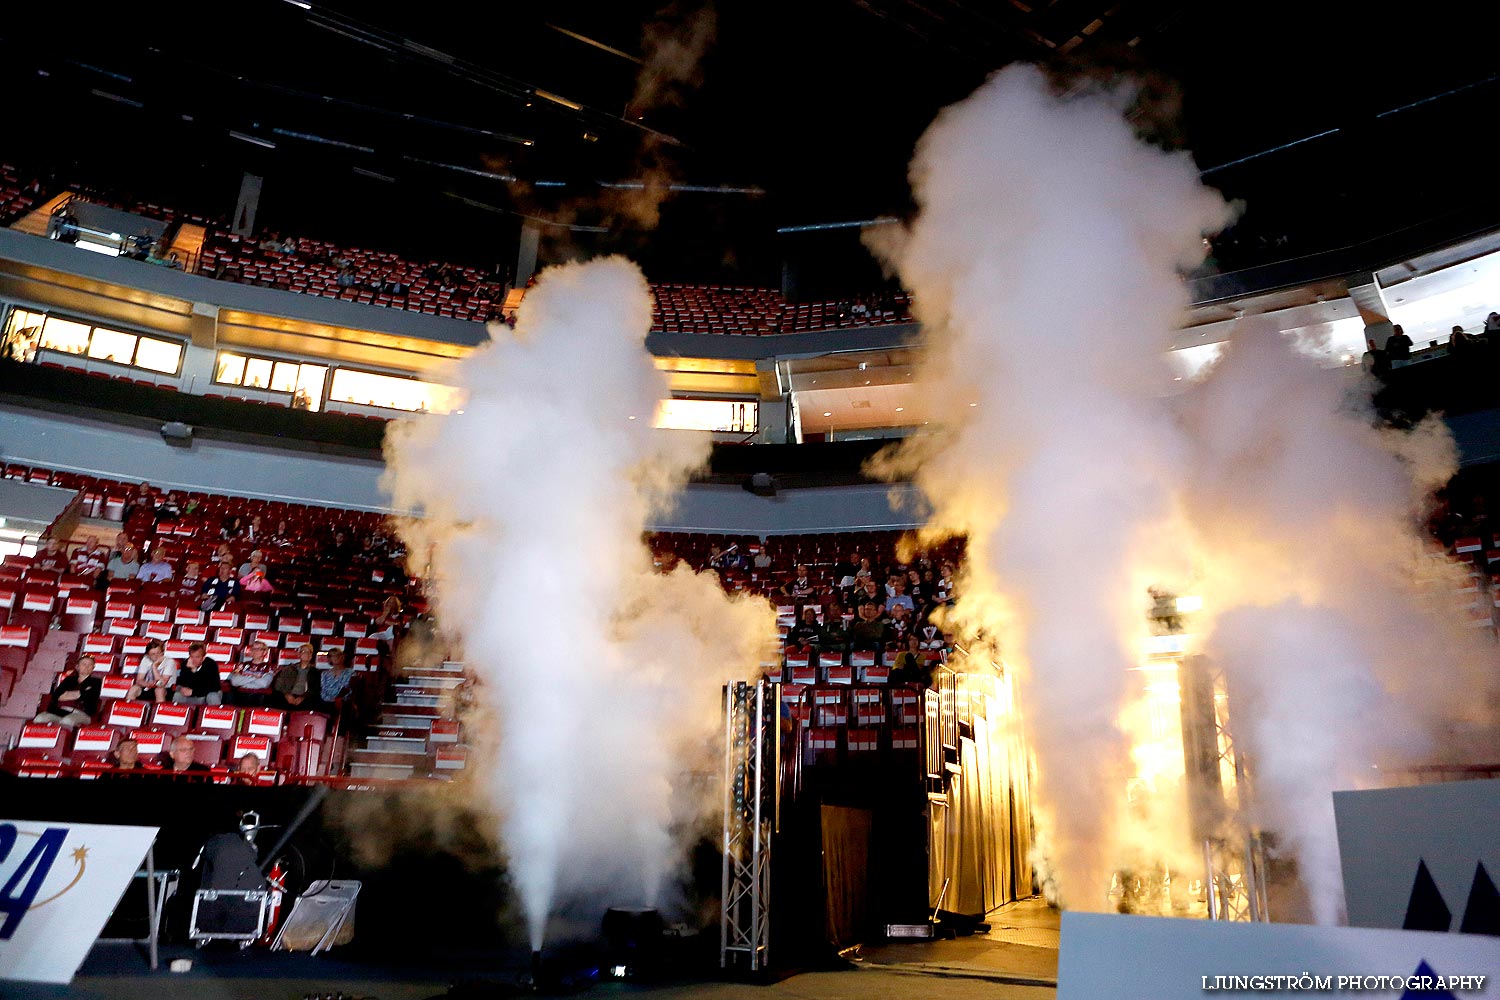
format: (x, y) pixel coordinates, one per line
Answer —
(42, 736)
(213, 718)
(307, 725)
(173, 718)
(127, 714)
(265, 722)
(258, 745)
(208, 749)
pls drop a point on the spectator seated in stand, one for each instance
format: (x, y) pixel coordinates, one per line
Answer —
(156, 569)
(122, 542)
(252, 677)
(221, 589)
(181, 756)
(75, 698)
(170, 508)
(930, 636)
(52, 558)
(255, 532)
(869, 629)
(389, 619)
(190, 586)
(336, 680)
(807, 633)
(800, 586)
(127, 755)
(247, 771)
(896, 594)
(282, 537)
(256, 560)
(911, 666)
(294, 684)
(157, 676)
(900, 623)
(90, 561)
(198, 681)
(255, 582)
(125, 565)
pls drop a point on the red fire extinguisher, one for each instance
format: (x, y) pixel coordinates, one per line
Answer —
(277, 879)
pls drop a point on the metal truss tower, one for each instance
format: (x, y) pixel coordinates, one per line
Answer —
(752, 755)
(1218, 789)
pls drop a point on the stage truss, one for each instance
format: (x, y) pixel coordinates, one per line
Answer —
(752, 749)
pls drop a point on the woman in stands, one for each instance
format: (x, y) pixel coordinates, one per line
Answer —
(283, 536)
(388, 620)
(157, 676)
(336, 679)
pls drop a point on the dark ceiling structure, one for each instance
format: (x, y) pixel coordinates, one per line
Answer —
(687, 134)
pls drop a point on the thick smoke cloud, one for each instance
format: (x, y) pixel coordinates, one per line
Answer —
(598, 678)
(1343, 646)
(1045, 260)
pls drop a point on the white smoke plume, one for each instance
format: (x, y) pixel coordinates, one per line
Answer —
(1045, 262)
(1342, 661)
(598, 678)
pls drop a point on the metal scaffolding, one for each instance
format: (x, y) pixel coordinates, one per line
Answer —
(1218, 785)
(752, 748)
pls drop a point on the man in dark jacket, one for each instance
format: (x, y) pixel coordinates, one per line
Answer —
(75, 699)
(198, 681)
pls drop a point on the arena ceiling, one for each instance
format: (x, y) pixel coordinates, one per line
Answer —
(408, 123)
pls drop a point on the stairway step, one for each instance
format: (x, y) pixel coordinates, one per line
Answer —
(357, 770)
(403, 744)
(413, 760)
(449, 668)
(391, 708)
(383, 731)
(407, 721)
(432, 682)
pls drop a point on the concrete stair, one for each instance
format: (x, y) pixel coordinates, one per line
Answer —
(35, 221)
(49, 659)
(401, 744)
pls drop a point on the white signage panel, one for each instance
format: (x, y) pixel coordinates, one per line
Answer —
(1425, 857)
(59, 882)
(1163, 958)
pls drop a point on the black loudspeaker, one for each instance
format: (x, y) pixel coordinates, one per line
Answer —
(762, 485)
(177, 434)
(633, 942)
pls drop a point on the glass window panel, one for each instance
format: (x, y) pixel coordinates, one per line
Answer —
(65, 335)
(284, 376)
(22, 320)
(158, 355)
(310, 386)
(257, 373)
(112, 345)
(231, 368)
(708, 415)
(390, 391)
(22, 330)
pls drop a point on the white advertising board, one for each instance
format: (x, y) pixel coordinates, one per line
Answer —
(59, 882)
(1425, 857)
(1161, 958)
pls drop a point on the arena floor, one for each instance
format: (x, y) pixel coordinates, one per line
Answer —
(1015, 960)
